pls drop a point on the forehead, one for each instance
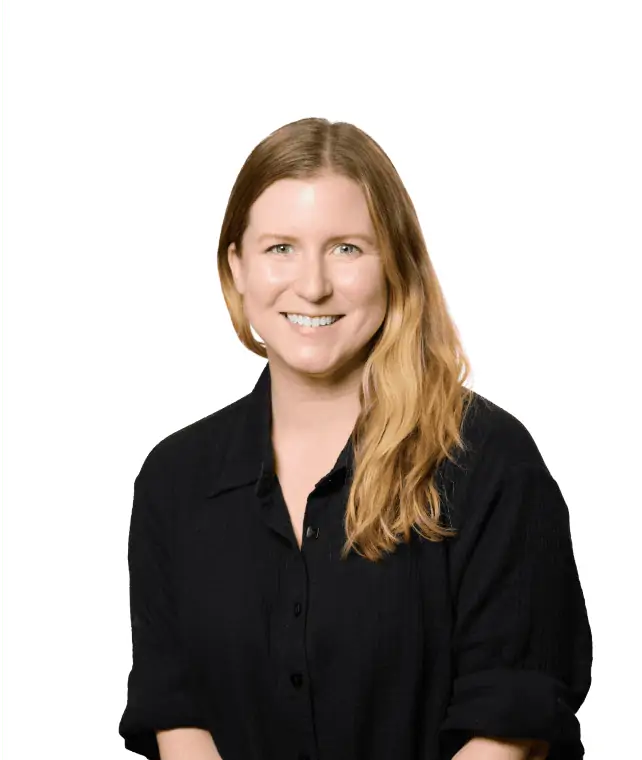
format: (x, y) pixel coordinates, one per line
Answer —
(310, 204)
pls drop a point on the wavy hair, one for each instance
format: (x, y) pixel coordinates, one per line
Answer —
(412, 395)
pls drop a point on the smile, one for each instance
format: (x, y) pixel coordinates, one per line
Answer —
(307, 324)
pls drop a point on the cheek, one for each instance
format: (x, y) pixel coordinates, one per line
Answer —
(265, 280)
(365, 289)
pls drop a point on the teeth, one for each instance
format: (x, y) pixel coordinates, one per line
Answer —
(299, 319)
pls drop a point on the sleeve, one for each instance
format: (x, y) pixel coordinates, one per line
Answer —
(160, 694)
(522, 646)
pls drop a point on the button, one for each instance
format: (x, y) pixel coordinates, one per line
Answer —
(312, 532)
(297, 680)
(303, 756)
(297, 608)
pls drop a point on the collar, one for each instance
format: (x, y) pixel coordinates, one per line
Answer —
(249, 455)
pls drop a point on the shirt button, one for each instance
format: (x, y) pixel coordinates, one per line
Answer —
(297, 680)
(312, 532)
(297, 609)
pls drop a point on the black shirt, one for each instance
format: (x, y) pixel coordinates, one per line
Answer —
(293, 654)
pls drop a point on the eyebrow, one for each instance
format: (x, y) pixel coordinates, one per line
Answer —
(334, 238)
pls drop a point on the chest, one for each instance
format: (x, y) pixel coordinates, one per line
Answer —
(300, 465)
(252, 606)
(297, 478)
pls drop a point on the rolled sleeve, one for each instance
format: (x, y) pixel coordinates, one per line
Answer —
(161, 693)
(522, 647)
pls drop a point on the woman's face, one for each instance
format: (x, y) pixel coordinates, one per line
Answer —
(310, 250)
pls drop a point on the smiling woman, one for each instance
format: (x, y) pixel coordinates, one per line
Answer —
(311, 271)
(361, 559)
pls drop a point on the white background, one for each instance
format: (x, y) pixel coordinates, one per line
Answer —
(516, 129)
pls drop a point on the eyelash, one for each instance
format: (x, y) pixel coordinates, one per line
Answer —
(276, 245)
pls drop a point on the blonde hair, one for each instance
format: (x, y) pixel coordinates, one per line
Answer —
(412, 394)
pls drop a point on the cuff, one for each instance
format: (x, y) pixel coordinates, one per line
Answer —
(517, 704)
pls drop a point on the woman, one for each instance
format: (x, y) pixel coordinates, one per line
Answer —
(362, 559)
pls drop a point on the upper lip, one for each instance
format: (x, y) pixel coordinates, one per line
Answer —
(312, 316)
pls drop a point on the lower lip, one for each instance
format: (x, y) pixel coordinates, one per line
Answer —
(309, 330)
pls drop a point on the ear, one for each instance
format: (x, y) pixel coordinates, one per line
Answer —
(236, 266)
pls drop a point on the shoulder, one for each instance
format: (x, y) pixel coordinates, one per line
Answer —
(496, 442)
(501, 453)
(196, 444)
(495, 435)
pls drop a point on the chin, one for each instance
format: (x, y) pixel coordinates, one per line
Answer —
(307, 363)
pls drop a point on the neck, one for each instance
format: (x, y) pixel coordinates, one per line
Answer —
(305, 406)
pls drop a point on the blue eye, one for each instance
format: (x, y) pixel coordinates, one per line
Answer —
(278, 245)
(281, 245)
(350, 245)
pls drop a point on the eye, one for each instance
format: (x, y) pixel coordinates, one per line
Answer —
(278, 245)
(350, 245)
(281, 245)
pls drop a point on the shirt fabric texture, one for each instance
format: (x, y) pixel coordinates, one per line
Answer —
(294, 654)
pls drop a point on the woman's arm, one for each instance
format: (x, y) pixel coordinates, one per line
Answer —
(187, 744)
(487, 748)
(522, 642)
(197, 744)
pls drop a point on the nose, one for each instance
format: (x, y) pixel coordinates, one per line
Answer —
(312, 279)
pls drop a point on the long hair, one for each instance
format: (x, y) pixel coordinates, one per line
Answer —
(412, 395)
